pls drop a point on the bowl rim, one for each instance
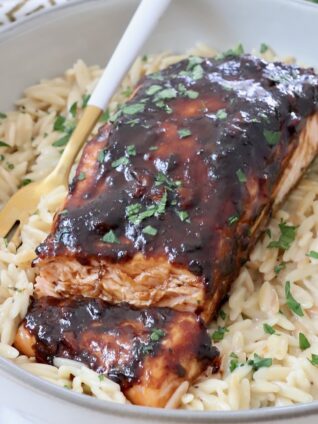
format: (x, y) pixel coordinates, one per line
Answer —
(169, 415)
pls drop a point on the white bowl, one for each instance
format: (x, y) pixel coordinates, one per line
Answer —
(49, 43)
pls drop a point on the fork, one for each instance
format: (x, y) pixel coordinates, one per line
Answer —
(25, 201)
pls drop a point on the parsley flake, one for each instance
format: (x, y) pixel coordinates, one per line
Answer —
(151, 231)
(184, 132)
(121, 161)
(133, 109)
(222, 314)
(263, 48)
(156, 334)
(221, 114)
(303, 342)
(291, 302)
(268, 329)
(85, 100)
(25, 182)
(219, 334)
(104, 116)
(183, 215)
(232, 219)
(101, 377)
(73, 109)
(197, 72)
(272, 137)
(286, 238)
(192, 94)
(59, 123)
(61, 142)
(2, 115)
(166, 94)
(241, 176)
(314, 359)
(153, 89)
(81, 176)
(127, 92)
(131, 150)
(101, 156)
(3, 144)
(278, 268)
(258, 362)
(312, 254)
(169, 183)
(236, 51)
(234, 363)
(110, 237)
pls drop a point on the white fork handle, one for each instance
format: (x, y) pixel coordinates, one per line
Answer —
(140, 27)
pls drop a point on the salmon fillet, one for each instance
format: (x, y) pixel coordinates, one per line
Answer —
(149, 352)
(170, 197)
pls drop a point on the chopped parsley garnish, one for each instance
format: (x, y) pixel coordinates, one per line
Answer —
(133, 122)
(153, 89)
(153, 148)
(2, 115)
(25, 182)
(162, 105)
(135, 215)
(3, 144)
(197, 72)
(62, 141)
(222, 314)
(236, 51)
(101, 377)
(263, 48)
(101, 156)
(278, 268)
(10, 165)
(104, 116)
(241, 176)
(169, 183)
(127, 92)
(291, 302)
(314, 359)
(287, 236)
(268, 329)
(234, 362)
(151, 231)
(110, 237)
(219, 334)
(268, 232)
(258, 362)
(221, 114)
(166, 94)
(312, 254)
(2, 158)
(85, 99)
(146, 349)
(59, 123)
(193, 61)
(81, 176)
(121, 161)
(144, 58)
(63, 212)
(133, 109)
(73, 109)
(131, 150)
(303, 342)
(272, 137)
(183, 215)
(192, 94)
(156, 334)
(184, 132)
(232, 219)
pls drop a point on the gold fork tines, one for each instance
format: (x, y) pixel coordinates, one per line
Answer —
(25, 201)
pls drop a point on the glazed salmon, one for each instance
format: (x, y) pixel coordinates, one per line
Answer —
(170, 197)
(149, 352)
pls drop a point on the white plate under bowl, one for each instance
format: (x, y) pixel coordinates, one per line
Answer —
(45, 46)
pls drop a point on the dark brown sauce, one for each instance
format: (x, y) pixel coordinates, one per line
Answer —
(241, 126)
(114, 339)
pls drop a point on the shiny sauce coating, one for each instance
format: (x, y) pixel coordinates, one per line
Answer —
(187, 166)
